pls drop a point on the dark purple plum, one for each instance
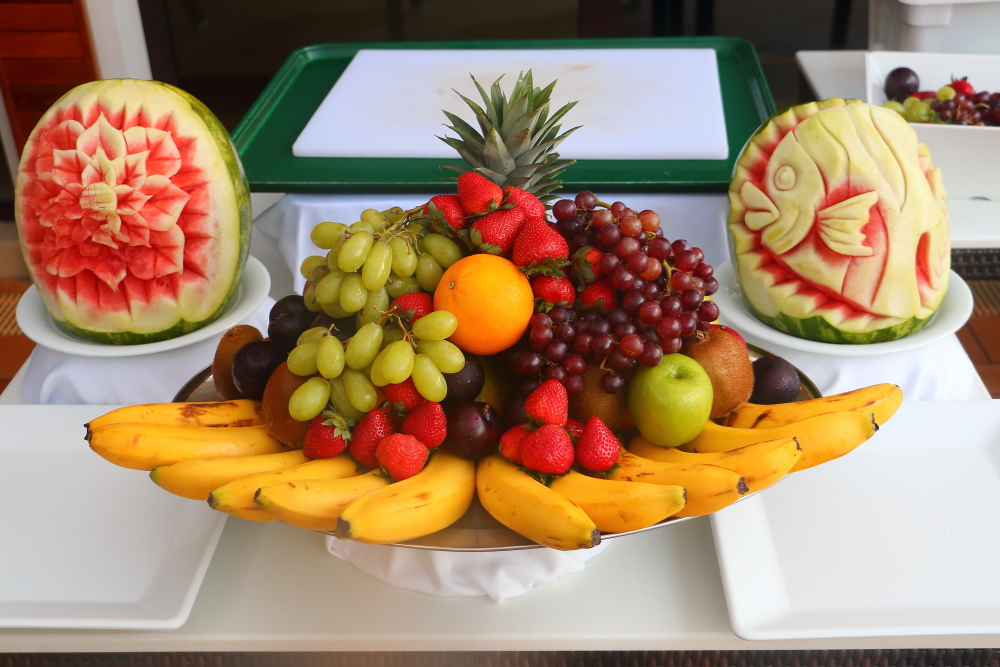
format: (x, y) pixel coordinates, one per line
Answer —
(901, 83)
(289, 317)
(774, 381)
(473, 430)
(253, 364)
(466, 384)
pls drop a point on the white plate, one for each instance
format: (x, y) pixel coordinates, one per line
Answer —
(84, 543)
(38, 325)
(897, 538)
(954, 312)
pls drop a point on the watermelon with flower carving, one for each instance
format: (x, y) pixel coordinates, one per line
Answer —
(133, 212)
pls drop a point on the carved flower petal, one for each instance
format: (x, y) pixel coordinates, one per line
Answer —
(133, 174)
(164, 157)
(102, 135)
(165, 204)
(68, 166)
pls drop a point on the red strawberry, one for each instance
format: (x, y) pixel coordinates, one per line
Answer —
(367, 434)
(427, 424)
(599, 295)
(477, 193)
(598, 448)
(962, 87)
(548, 404)
(586, 263)
(327, 435)
(495, 232)
(553, 291)
(529, 204)
(510, 443)
(451, 207)
(413, 306)
(537, 244)
(404, 396)
(401, 456)
(574, 428)
(548, 450)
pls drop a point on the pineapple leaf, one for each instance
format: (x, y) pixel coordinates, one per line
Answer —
(517, 143)
(464, 130)
(484, 121)
(514, 114)
(550, 123)
(460, 147)
(519, 182)
(498, 101)
(541, 96)
(494, 176)
(496, 155)
(525, 170)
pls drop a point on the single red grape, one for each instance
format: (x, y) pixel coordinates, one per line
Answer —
(691, 299)
(612, 383)
(565, 332)
(652, 270)
(581, 344)
(680, 281)
(608, 235)
(708, 311)
(586, 200)
(573, 384)
(555, 351)
(689, 323)
(617, 209)
(671, 345)
(602, 217)
(671, 306)
(637, 262)
(564, 209)
(631, 346)
(528, 363)
(626, 247)
(559, 315)
(632, 301)
(668, 327)
(622, 278)
(703, 271)
(650, 220)
(556, 373)
(539, 319)
(659, 248)
(540, 335)
(574, 364)
(631, 226)
(607, 263)
(602, 345)
(650, 312)
(651, 355)
(679, 245)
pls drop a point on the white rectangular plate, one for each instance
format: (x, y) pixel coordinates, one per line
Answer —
(898, 537)
(84, 543)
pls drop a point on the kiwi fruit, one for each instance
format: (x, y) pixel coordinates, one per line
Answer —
(222, 364)
(728, 366)
(274, 408)
(593, 401)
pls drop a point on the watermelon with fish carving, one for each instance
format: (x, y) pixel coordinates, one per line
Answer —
(838, 224)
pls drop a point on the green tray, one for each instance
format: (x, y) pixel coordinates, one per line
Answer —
(265, 136)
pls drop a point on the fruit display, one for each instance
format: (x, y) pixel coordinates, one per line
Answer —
(954, 103)
(133, 212)
(838, 225)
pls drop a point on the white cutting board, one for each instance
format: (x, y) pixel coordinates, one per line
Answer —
(659, 104)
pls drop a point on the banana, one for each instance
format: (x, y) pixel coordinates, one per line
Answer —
(618, 507)
(881, 399)
(195, 478)
(316, 504)
(532, 509)
(822, 438)
(434, 498)
(238, 494)
(709, 487)
(760, 465)
(146, 446)
(242, 412)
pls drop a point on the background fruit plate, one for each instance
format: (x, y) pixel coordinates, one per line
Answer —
(476, 530)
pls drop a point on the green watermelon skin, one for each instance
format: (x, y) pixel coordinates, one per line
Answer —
(817, 328)
(133, 307)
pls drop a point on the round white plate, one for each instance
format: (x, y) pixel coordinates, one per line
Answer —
(38, 325)
(949, 318)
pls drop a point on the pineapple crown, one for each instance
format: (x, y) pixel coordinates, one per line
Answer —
(517, 141)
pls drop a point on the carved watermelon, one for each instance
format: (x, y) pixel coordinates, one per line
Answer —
(838, 225)
(133, 212)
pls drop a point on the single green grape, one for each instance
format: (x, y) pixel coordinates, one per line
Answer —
(360, 390)
(377, 303)
(330, 357)
(309, 298)
(355, 251)
(443, 249)
(910, 101)
(376, 376)
(320, 272)
(428, 379)
(309, 399)
(398, 286)
(364, 346)
(313, 335)
(437, 325)
(326, 234)
(404, 260)
(328, 289)
(338, 396)
(398, 361)
(394, 214)
(377, 267)
(335, 310)
(361, 227)
(302, 359)
(946, 93)
(334, 254)
(446, 355)
(429, 272)
(353, 293)
(895, 106)
(919, 113)
(374, 218)
(310, 263)
(391, 334)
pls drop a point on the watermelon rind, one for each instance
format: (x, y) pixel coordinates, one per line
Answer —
(817, 328)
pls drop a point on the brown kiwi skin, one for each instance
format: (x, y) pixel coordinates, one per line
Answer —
(595, 402)
(274, 408)
(222, 364)
(728, 366)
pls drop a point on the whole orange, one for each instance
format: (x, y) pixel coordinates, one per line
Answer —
(492, 300)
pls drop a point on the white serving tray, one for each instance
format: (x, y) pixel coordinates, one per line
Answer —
(84, 543)
(898, 538)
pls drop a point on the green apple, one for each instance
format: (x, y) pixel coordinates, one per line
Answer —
(671, 401)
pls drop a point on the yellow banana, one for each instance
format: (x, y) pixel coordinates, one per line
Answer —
(532, 509)
(146, 446)
(238, 494)
(881, 399)
(822, 438)
(617, 507)
(760, 465)
(316, 504)
(242, 412)
(434, 498)
(195, 478)
(709, 487)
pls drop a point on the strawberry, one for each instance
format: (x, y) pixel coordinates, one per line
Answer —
(548, 450)
(548, 404)
(529, 204)
(553, 291)
(495, 232)
(962, 87)
(404, 396)
(451, 207)
(574, 428)
(599, 295)
(586, 264)
(477, 193)
(427, 424)
(401, 456)
(367, 434)
(412, 306)
(327, 435)
(598, 448)
(538, 245)
(510, 443)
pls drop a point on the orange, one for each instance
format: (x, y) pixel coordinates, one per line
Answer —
(492, 300)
